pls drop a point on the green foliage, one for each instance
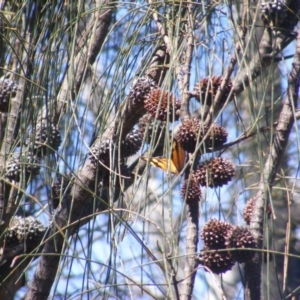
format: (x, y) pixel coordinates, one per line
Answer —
(70, 110)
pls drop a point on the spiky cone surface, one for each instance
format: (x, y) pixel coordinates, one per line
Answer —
(44, 138)
(8, 89)
(100, 153)
(241, 238)
(162, 105)
(248, 210)
(140, 88)
(215, 173)
(217, 136)
(187, 134)
(206, 90)
(192, 130)
(18, 162)
(60, 186)
(28, 231)
(217, 262)
(132, 143)
(190, 191)
(151, 129)
(215, 233)
(273, 12)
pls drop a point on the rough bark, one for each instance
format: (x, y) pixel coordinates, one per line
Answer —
(280, 140)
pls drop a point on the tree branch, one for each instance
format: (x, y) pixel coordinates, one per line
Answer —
(269, 47)
(186, 70)
(72, 207)
(280, 140)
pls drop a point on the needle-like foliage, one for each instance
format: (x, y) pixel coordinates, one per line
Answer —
(94, 95)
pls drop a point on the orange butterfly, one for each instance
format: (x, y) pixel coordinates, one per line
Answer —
(174, 165)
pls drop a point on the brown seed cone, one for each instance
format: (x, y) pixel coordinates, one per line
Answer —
(8, 89)
(162, 105)
(188, 133)
(217, 136)
(17, 161)
(140, 88)
(152, 129)
(248, 210)
(215, 233)
(217, 262)
(44, 138)
(215, 173)
(207, 88)
(24, 230)
(190, 191)
(189, 130)
(60, 187)
(132, 143)
(241, 238)
(100, 153)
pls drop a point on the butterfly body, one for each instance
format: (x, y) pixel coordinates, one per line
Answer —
(174, 165)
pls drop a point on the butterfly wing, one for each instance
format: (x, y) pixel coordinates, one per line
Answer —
(178, 156)
(163, 163)
(174, 165)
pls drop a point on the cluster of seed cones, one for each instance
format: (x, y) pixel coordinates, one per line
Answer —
(28, 231)
(224, 245)
(162, 105)
(193, 134)
(213, 173)
(159, 103)
(162, 108)
(43, 139)
(128, 147)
